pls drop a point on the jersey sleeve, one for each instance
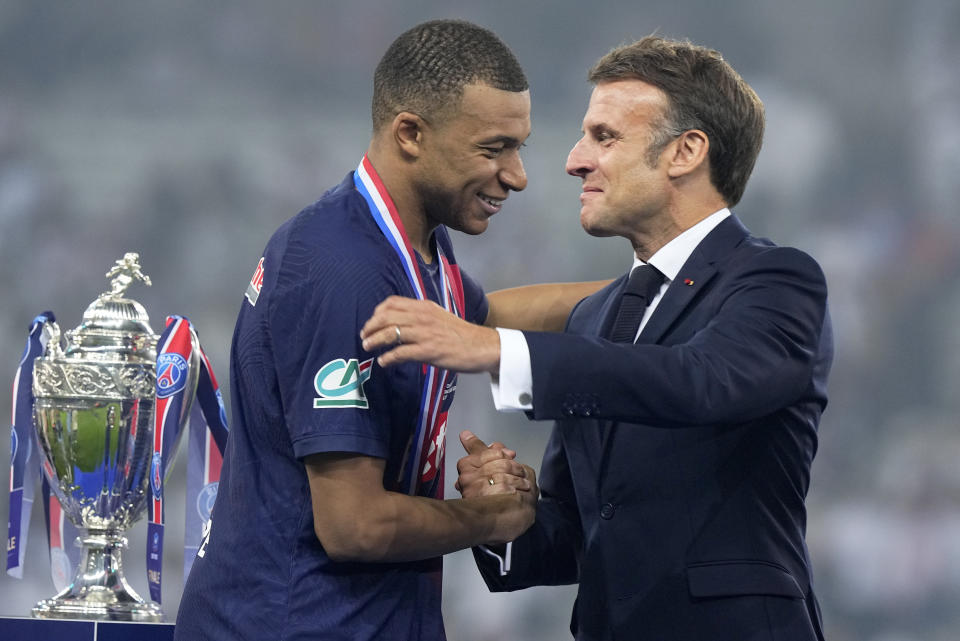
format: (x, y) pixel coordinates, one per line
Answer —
(475, 300)
(335, 397)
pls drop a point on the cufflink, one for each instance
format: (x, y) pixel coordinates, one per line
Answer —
(525, 398)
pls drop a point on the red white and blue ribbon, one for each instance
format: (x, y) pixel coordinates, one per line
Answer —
(422, 471)
(174, 354)
(24, 451)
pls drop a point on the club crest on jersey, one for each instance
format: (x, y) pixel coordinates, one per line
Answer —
(256, 284)
(340, 383)
(171, 374)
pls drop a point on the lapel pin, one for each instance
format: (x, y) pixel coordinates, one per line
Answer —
(687, 281)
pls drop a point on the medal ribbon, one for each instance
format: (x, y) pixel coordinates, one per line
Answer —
(174, 354)
(24, 465)
(422, 471)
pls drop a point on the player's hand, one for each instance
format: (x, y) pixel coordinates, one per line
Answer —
(491, 469)
(422, 331)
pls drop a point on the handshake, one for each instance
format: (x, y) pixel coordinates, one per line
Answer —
(491, 470)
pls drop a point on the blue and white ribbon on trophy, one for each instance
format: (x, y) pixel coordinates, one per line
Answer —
(25, 466)
(24, 455)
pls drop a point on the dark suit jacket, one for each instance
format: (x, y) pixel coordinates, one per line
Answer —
(673, 484)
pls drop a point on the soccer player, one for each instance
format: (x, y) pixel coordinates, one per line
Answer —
(330, 522)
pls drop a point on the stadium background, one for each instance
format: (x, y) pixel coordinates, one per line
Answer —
(188, 131)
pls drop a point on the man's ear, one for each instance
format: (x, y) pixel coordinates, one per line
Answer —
(688, 153)
(407, 129)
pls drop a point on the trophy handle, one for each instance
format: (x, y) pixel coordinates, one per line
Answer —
(52, 340)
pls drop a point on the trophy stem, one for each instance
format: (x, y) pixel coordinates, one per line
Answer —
(99, 589)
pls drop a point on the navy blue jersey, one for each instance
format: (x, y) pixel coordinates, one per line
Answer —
(302, 384)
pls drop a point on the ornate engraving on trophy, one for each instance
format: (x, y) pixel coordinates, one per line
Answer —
(92, 379)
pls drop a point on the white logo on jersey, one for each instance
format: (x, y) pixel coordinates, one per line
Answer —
(340, 384)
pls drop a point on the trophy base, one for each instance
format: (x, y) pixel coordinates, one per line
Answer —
(99, 589)
(84, 609)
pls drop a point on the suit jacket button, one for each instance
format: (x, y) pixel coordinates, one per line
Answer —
(607, 511)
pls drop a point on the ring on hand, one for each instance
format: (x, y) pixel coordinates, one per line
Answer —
(396, 328)
(491, 481)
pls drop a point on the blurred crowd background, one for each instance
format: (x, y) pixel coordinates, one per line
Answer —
(189, 131)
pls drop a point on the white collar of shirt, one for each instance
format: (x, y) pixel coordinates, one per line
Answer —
(513, 388)
(670, 258)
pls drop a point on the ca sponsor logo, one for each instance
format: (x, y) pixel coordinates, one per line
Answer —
(339, 383)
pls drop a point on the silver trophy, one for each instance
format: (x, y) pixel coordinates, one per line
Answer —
(94, 390)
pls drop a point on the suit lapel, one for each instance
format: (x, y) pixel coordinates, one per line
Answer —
(697, 271)
(608, 312)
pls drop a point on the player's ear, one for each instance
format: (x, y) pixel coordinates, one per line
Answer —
(407, 129)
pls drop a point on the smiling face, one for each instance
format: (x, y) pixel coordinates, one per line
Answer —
(625, 183)
(471, 160)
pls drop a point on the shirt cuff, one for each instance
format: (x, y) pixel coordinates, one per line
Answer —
(513, 390)
(503, 560)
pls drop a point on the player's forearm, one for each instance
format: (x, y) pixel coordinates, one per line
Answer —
(537, 307)
(397, 527)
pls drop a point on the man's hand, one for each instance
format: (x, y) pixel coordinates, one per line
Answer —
(485, 463)
(422, 331)
(490, 470)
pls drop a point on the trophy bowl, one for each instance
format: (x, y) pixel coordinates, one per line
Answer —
(94, 394)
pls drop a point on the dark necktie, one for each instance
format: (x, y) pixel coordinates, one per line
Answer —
(643, 285)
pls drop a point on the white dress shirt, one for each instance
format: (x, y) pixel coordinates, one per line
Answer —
(513, 391)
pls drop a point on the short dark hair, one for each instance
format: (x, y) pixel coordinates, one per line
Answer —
(703, 92)
(425, 69)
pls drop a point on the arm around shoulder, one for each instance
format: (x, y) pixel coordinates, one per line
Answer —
(748, 344)
(538, 307)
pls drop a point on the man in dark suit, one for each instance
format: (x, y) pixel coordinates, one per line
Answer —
(686, 397)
